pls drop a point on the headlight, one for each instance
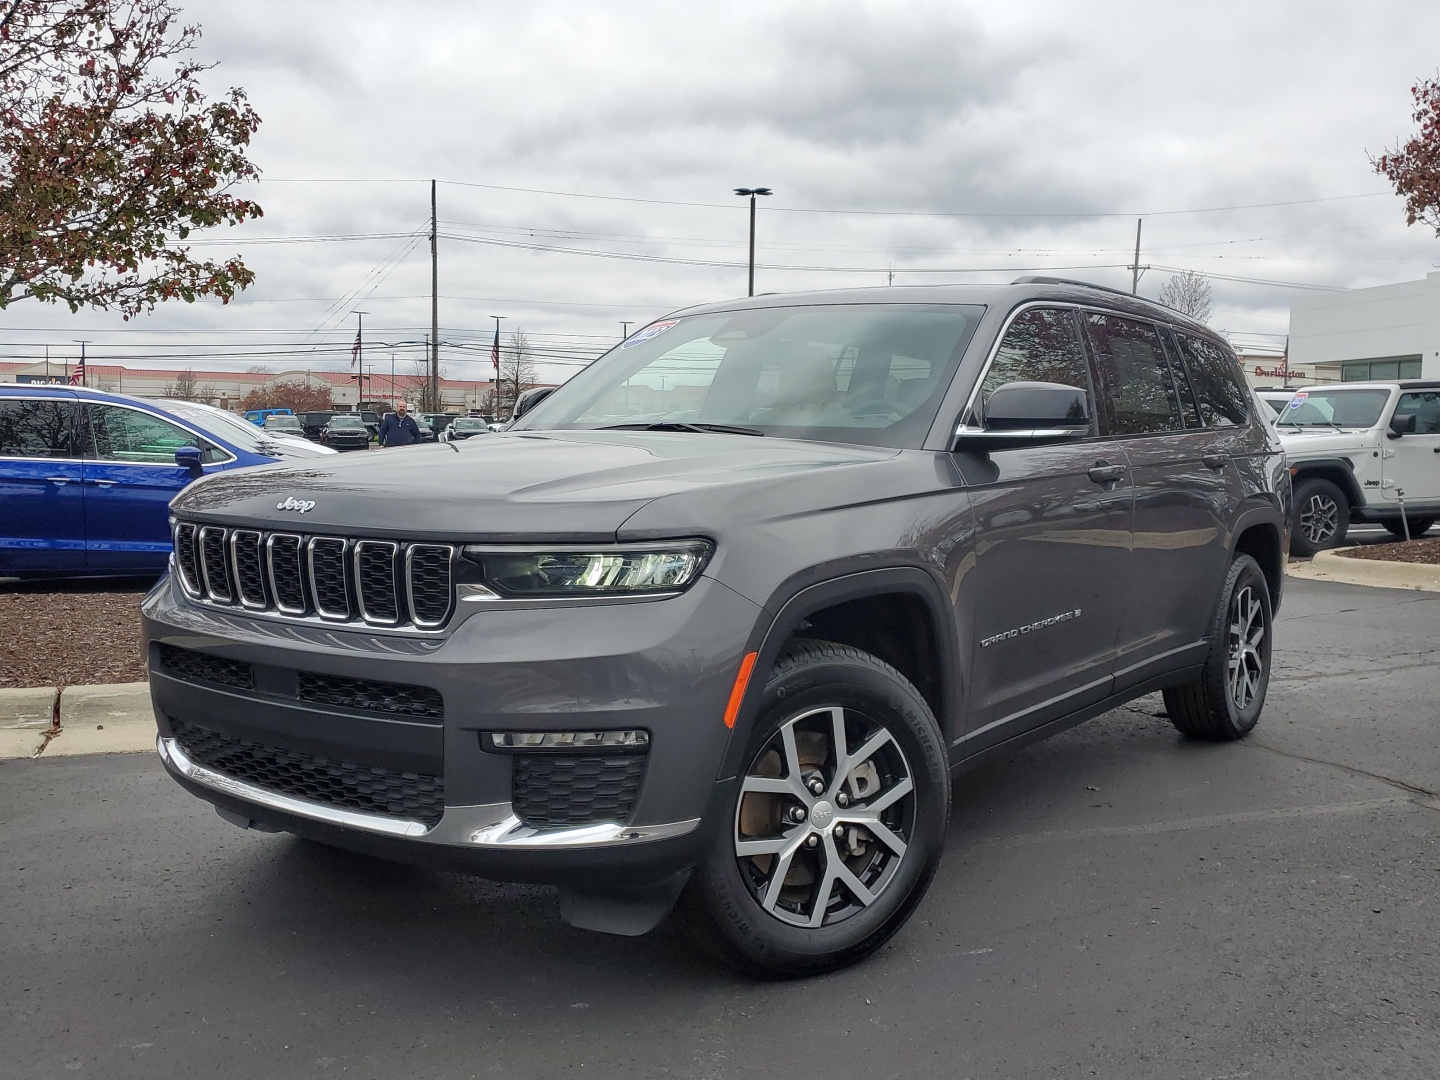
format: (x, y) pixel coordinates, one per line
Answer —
(622, 570)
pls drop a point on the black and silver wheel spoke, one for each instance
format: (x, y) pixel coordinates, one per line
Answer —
(820, 829)
(1319, 519)
(1247, 638)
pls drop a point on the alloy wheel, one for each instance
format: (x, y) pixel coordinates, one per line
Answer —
(821, 828)
(1319, 518)
(1247, 637)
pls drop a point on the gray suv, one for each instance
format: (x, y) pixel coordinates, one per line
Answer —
(713, 626)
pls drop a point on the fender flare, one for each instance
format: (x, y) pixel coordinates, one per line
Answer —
(1351, 488)
(796, 599)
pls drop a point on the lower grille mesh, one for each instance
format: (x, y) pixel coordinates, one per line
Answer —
(192, 665)
(368, 695)
(556, 790)
(340, 784)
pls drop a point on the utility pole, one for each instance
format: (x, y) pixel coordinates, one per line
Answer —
(1135, 267)
(434, 304)
(625, 328)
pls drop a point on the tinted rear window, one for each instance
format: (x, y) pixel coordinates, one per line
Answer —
(1222, 400)
(38, 428)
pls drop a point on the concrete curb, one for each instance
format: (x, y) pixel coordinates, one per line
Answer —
(109, 718)
(1336, 566)
(27, 708)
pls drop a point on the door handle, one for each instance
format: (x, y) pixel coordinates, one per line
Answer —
(1104, 473)
(1213, 461)
(103, 483)
(57, 480)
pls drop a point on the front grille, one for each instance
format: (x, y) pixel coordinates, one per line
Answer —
(379, 583)
(248, 562)
(397, 699)
(344, 785)
(214, 566)
(555, 790)
(192, 666)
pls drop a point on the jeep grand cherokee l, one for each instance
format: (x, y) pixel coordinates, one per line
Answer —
(717, 621)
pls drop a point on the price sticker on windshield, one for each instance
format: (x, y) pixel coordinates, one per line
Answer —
(651, 331)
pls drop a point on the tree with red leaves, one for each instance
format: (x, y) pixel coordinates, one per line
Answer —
(110, 156)
(290, 394)
(1414, 168)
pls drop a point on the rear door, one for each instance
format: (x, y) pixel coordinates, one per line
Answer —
(1052, 550)
(130, 478)
(1186, 487)
(42, 496)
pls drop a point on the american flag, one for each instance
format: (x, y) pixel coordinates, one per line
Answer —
(495, 352)
(77, 376)
(355, 349)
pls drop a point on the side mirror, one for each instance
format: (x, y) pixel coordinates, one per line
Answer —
(1402, 424)
(190, 459)
(1026, 414)
(529, 399)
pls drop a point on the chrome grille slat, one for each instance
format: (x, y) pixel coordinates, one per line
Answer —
(185, 560)
(375, 581)
(340, 581)
(429, 590)
(215, 565)
(287, 573)
(329, 586)
(247, 564)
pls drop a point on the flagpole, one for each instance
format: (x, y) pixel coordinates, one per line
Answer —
(495, 362)
(357, 355)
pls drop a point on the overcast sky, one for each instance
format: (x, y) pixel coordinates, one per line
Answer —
(946, 141)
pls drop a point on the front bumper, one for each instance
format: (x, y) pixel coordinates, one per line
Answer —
(665, 667)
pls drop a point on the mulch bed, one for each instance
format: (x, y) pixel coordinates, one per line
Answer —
(69, 634)
(1412, 551)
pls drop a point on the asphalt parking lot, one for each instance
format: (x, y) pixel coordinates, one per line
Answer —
(1116, 902)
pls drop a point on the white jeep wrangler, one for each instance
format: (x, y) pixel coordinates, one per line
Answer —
(1362, 452)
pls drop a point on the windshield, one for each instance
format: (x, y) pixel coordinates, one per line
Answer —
(469, 425)
(857, 373)
(282, 423)
(346, 422)
(1334, 408)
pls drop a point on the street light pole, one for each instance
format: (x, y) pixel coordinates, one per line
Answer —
(752, 192)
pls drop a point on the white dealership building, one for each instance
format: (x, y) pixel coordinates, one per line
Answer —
(1384, 332)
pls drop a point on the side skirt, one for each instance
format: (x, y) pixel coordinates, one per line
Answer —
(1055, 727)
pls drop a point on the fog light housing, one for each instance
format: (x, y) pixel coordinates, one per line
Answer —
(529, 742)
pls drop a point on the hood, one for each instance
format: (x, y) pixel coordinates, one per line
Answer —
(1312, 442)
(555, 485)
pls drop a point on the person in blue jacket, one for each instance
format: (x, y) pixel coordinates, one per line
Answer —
(399, 428)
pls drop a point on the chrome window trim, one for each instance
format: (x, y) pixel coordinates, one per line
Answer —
(210, 594)
(235, 535)
(229, 457)
(428, 624)
(395, 588)
(280, 608)
(314, 541)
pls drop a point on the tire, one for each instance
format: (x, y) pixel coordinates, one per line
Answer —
(1224, 703)
(1418, 527)
(817, 917)
(1322, 517)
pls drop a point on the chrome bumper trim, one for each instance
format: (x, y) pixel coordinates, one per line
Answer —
(490, 825)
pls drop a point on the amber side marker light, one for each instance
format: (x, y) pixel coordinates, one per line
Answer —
(737, 693)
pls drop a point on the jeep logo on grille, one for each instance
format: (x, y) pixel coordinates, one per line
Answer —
(300, 506)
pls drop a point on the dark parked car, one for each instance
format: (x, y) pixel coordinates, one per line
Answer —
(718, 621)
(346, 431)
(438, 422)
(464, 427)
(86, 477)
(283, 424)
(313, 424)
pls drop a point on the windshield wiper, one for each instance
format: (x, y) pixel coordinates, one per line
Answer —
(680, 425)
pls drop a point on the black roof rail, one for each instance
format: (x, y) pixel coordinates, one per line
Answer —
(1040, 279)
